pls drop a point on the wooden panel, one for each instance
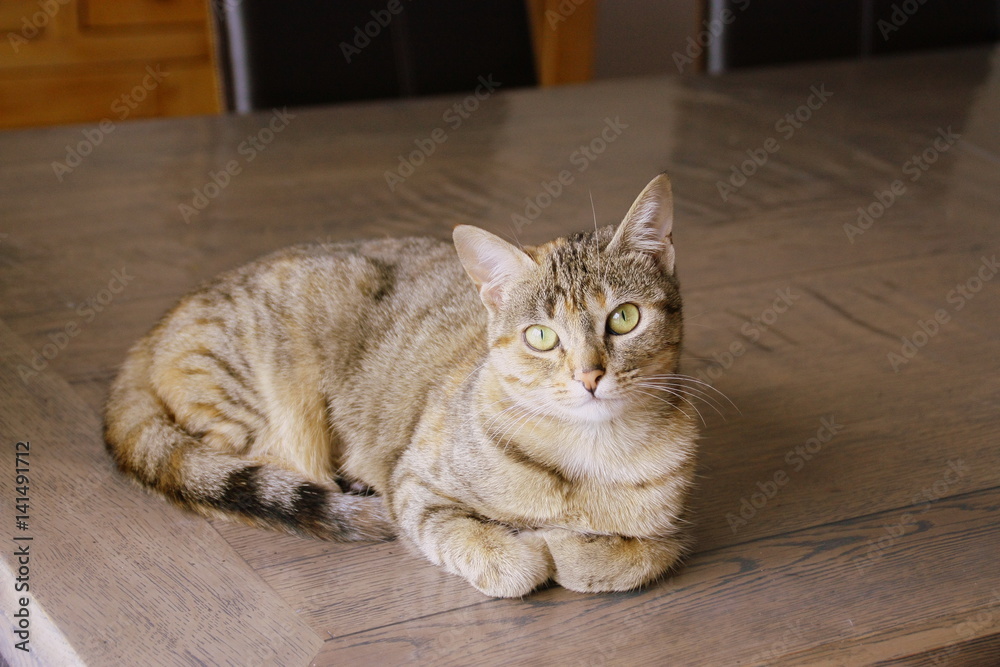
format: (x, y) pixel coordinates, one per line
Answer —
(94, 96)
(108, 565)
(142, 12)
(61, 41)
(60, 70)
(191, 89)
(16, 15)
(100, 50)
(563, 35)
(127, 92)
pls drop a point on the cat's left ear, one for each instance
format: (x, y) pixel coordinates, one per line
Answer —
(648, 224)
(491, 262)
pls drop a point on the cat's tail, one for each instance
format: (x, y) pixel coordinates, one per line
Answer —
(151, 448)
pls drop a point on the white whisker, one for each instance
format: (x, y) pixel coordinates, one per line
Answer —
(597, 249)
(696, 392)
(673, 405)
(682, 392)
(679, 377)
(686, 397)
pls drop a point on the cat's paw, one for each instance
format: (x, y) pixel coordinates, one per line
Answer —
(504, 564)
(601, 563)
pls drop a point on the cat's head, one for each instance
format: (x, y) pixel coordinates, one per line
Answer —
(583, 327)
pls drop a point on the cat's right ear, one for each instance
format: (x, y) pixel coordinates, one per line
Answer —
(648, 224)
(491, 262)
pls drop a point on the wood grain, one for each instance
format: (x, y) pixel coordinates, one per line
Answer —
(563, 32)
(877, 548)
(115, 577)
(144, 12)
(770, 598)
(76, 60)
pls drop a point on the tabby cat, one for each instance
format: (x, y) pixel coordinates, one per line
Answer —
(528, 429)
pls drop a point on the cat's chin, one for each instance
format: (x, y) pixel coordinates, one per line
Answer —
(594, 410)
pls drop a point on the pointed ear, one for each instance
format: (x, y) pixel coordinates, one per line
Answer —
(491, 262)
(648, 224)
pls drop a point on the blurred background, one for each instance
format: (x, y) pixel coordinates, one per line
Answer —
(74, 61)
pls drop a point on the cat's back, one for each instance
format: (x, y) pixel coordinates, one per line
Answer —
(397, 287)
(377, 281)
(379, 306)
(403, 304)
(411, 271)
(338, 315)
(378, 266)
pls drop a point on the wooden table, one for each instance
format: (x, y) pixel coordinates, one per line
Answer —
(837, 234)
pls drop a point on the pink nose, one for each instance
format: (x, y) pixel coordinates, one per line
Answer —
(589, 378)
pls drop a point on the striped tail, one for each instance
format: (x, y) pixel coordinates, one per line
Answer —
(150, 447)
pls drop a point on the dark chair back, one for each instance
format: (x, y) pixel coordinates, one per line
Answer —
(769, 32)
(278, 53)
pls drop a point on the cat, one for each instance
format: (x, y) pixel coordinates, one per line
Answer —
(521, 427)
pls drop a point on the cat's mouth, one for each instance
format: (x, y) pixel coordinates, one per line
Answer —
(597, 407)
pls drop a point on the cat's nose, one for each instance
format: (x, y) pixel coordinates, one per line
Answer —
(589, 378)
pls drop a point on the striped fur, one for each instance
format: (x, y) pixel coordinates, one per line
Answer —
(376, 365)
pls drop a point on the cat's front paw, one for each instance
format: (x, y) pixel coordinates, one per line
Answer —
(600, 563)
(505, 564)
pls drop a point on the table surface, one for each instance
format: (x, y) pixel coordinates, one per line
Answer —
(836, 231)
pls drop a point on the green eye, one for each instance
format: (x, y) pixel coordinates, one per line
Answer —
(623, 319)
(541, 338)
